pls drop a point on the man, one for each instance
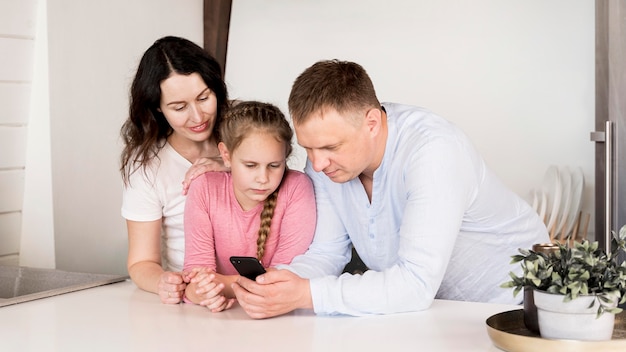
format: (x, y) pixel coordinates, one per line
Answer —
(408, 190)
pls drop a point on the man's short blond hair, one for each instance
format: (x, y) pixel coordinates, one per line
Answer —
(332, 84)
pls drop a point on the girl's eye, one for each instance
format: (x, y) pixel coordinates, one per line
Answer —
(179, 107)
(250, 166)
(203, 98)
(275, 166)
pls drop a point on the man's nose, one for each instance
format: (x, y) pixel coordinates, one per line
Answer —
(318, 160)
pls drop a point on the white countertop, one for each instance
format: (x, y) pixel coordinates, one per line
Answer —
(121, 317)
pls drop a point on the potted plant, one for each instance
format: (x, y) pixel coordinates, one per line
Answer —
(580, 276)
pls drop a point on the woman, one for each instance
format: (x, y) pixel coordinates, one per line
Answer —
(177, 97)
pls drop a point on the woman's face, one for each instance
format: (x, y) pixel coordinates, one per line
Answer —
(189, 106)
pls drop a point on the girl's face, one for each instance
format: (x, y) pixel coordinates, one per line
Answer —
(257, 167)
(189, 106)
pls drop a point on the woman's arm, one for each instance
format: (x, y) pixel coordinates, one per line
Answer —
(144, 262)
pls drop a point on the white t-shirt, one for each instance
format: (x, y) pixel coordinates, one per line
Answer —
(157, 194)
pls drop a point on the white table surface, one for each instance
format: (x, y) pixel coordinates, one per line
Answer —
(121, 317)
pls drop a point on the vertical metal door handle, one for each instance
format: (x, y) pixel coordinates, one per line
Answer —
(607, 138)
(608, 189)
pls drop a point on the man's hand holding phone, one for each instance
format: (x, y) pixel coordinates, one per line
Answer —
(277, 292)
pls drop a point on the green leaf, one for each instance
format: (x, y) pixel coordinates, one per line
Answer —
(615, 310)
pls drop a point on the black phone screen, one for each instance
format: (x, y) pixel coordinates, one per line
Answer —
(249, 267)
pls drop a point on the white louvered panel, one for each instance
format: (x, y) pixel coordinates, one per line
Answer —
(17, 59)
(11, 190)
(12, 259)
(14, 99)
(10, 229)
(18, 17)
(13, 147)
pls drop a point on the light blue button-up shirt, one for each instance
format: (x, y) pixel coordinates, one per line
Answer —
(440, 224)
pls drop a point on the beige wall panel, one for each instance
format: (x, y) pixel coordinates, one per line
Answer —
(14, 99)
(10, 224)
(12, 259)
(13, 147)
(11, 190)
(17, 17)
(17, 59)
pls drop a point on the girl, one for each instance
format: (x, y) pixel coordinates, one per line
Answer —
(259, 208)
(176, 98)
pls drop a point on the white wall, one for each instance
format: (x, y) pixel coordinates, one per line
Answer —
(517, 76)
(94, 48)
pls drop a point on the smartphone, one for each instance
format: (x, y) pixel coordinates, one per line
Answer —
(249, 267)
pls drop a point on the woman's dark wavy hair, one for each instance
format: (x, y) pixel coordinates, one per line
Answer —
(146, 129)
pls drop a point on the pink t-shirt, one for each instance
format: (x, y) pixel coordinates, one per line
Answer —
(216, 227)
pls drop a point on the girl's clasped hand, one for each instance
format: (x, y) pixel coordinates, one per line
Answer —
(209, 289)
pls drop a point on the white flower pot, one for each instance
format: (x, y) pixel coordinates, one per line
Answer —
(572, 320)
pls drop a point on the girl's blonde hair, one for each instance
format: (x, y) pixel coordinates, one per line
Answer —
(244, 118)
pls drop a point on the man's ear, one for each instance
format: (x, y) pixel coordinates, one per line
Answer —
(374, 120)
(224, 153)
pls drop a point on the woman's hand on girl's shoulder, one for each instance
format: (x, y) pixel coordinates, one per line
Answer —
(202, 166)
